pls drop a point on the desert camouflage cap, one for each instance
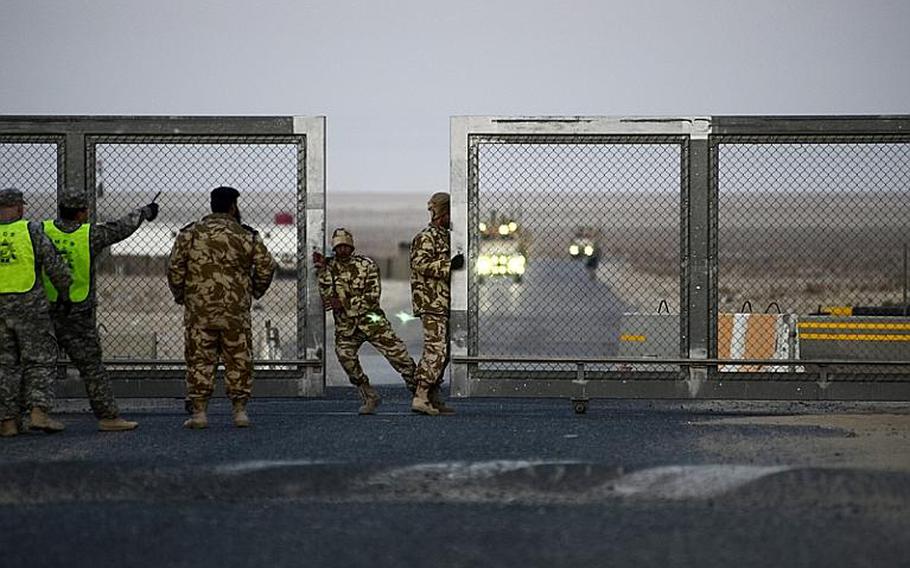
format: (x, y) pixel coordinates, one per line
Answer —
(438, 203)
(342, 236)
(74, 199)
(10, 196)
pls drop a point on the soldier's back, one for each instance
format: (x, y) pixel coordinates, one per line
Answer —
(219, 261)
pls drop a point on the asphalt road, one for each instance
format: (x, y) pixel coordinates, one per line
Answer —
(505, 482)
(558, 309)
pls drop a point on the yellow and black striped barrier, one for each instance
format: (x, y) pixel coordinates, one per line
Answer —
(854, 337)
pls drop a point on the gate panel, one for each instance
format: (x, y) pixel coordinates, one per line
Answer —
(575, 241)
(815, 228)
(135, 309)
(277, 163)
(789, 232)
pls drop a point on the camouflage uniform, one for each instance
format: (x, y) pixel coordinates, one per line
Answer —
(430, 297)
(217, 266)
(28, 349)
(355, 282)
(76, 331)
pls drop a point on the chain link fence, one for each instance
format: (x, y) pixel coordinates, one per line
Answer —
(575, 246)
(745, 257)
(33, 164)
(135, 312)
(122, 162)
(812, 237)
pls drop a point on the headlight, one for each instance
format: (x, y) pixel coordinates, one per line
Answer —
(589, 250)
(513, 226)
(483, 227)
(484, 265)
(573, 250)
(503, 230)
(517, 264)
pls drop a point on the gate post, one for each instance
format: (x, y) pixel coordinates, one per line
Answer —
(696, 333)
(310, 236)
(458, 190)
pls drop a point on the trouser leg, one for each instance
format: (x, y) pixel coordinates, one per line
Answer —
(10, 374)
(78, 337)
(236, 351)
(201, 352)
(435, 350)
(387, 342)
(37, 359)
(346, 347)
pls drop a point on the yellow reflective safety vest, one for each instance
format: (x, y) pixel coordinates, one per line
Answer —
(76, 249)
(17, 258)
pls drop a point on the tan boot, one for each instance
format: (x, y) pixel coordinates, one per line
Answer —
(370, 398)
(198, 420)
(421, 401)
(8, 428)
(116, 424)
(239, 415)
(435, 397)
(39, 420)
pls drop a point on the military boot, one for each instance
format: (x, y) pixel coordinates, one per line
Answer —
(434, 394)
(8, 428)
(239, 415)
(116, 424)
(370, 398)
(421, 401)
(198, 420)
(39, 420)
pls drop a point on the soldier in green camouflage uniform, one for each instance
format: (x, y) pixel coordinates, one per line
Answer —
(350, 286)
(28, 349)
(430, 296)
(217, 266)
(80, 243)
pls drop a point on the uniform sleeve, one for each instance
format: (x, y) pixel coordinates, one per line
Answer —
(324, 281)
(372, 289)
(106, 234)
(263, 267)
(177, 266)
(425, 260)
(49, 260)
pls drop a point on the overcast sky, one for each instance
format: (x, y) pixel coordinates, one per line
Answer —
(388, 75)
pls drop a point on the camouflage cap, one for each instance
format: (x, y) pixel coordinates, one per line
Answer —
(10, 196)
(342, 236)
(438, 203)
(73, 199)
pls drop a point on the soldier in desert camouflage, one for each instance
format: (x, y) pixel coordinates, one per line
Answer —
(217, 266)
(80, 243)
(28, 349)
(350, 286)
(431, 266)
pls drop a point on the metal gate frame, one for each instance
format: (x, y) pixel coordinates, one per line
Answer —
(75, 138)
(698, 377)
